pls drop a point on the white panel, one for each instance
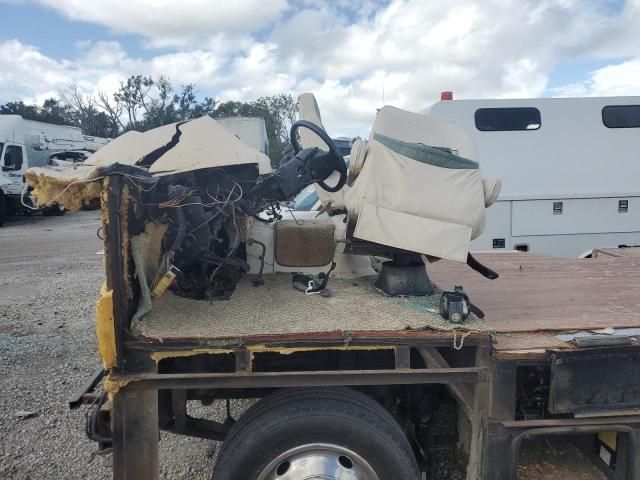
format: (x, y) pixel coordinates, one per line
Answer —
(573, 246)
(572, 153)
(498, 225)
(591, 215)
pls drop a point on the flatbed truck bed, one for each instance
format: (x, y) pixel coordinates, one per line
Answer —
(518, 374)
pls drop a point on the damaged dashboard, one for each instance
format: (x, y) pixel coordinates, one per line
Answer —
(207, 214)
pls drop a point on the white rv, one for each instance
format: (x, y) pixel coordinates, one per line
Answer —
(27, 143)
(570, 169)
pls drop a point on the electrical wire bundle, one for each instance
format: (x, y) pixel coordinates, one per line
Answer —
(203, 241)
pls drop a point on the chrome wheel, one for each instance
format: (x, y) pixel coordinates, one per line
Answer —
(318, 461)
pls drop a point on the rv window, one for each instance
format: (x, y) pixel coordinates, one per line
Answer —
(13, 157)
(621, 116)
(507, 119)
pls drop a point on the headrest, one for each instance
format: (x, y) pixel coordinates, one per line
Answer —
(492, 187)
(412, 127)
(356, 159)
(308, 110)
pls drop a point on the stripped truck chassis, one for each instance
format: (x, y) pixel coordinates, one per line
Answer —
(483, 384)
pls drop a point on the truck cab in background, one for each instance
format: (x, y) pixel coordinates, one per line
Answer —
(27, 143)
(13, 163)
(13, 166)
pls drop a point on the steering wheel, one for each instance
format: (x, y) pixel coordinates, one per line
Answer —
(335, 157)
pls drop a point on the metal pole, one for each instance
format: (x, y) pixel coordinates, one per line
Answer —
(135, 435)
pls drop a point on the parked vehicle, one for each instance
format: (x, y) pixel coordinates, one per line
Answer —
(569, 168)
(344, 145)
(349, 382)
(68, 158)
(27, 143)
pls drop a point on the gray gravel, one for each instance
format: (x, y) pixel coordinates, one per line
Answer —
(50, 276)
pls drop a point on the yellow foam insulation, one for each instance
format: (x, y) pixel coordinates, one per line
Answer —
(290, 350)
(152, 241)
(72, 187)
(104, 195)
(105, 327)
(112, 385)
(157, 356)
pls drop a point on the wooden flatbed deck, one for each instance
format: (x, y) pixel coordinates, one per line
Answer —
(537, 297)
(537, 293)
(534, 299)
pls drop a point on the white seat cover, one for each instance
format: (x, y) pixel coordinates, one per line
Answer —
(412, 196)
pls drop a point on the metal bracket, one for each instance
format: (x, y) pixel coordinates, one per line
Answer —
(87, 394)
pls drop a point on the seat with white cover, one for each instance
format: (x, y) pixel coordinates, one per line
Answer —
(414, 186)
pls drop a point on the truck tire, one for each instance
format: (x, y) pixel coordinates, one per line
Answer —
(3, 208)
(326, 433)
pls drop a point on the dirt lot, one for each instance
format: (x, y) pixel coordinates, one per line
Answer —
(50, 274)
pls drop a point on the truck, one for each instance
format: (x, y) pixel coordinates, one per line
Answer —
(211, 297)
(568, 167)
(28, 143)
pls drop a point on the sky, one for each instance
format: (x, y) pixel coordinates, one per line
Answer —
(354, 55)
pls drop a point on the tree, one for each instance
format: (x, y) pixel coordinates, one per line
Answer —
(205, 107)
(112, 109)
(278, 112)
(133, 96)
(166, 107)
(160, 110)
(142, 103)
(83, 113)
(186, 101)
(52, 111)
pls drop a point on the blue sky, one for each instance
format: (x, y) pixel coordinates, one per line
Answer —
(347, 52)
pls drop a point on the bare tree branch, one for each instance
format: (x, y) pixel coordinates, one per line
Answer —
(114, 110)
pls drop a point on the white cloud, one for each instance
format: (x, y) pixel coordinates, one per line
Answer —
(414, 49)
(622, 79)
(101, 53)
(27, 74)
(347, 52)
(173, 23)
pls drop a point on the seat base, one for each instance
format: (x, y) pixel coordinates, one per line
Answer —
(405, 275)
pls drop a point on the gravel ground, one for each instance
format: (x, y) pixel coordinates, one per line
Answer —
(50, 274)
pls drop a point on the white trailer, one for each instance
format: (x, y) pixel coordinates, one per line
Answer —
(569, 167)
(27, 143)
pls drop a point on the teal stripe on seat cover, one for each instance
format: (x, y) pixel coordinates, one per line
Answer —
(437, 157)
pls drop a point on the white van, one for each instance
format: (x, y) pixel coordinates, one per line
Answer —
(570, 169)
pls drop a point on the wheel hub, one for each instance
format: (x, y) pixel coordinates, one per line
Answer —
(318, 462)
